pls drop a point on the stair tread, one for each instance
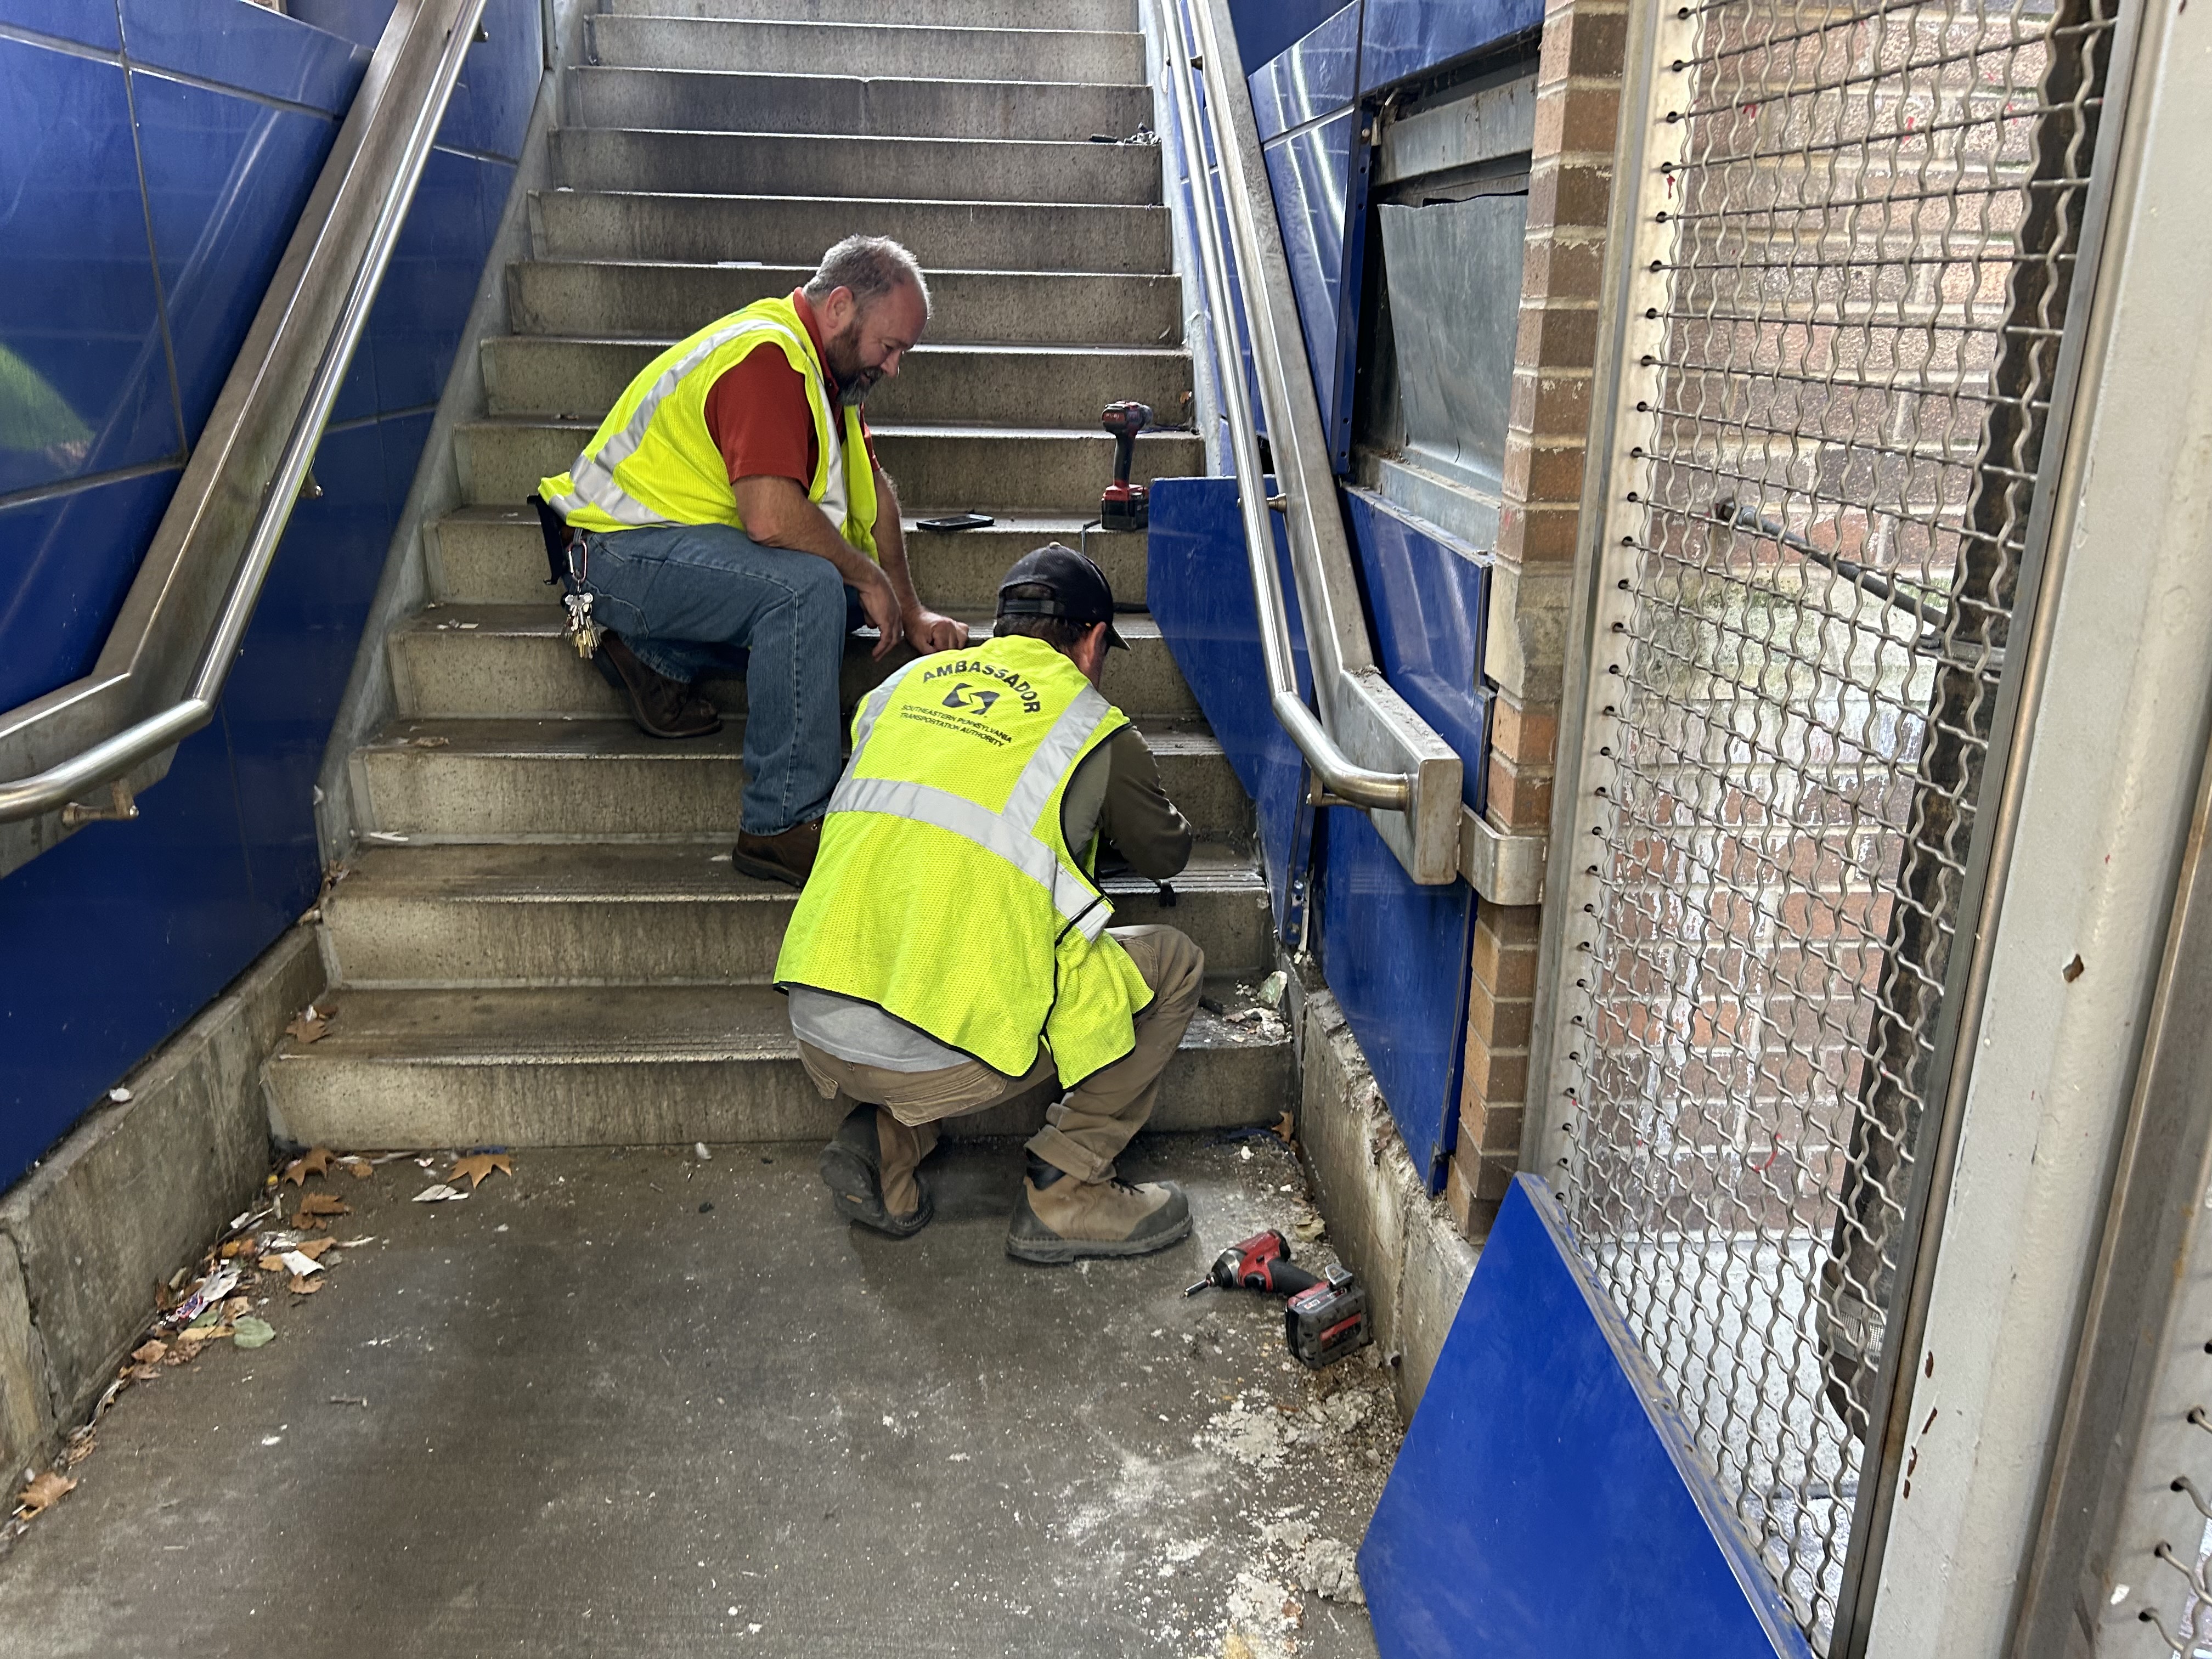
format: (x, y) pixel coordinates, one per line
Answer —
(1047, 525)
(926, 348)
(851, 205)
(699, 871)
(730, 135)
(889, 429)
(614, 738)
(1039, 88)
(545, 620)
(591, 1024)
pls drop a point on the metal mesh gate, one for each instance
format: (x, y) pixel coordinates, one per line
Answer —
(1855, 229)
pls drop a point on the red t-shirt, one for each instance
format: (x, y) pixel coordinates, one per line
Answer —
(758, 416)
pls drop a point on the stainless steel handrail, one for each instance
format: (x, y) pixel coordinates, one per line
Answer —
(1357, 785)
(346, 236)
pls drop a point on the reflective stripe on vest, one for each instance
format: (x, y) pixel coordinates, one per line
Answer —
(1009, 834)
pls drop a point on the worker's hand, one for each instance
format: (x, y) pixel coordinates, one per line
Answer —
(929, 632)
(882, 608)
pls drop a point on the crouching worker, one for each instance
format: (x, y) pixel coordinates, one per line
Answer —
(950, 950)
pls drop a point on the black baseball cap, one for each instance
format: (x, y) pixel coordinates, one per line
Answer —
(1080, 592)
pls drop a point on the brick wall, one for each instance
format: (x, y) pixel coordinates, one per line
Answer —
(1569, 194)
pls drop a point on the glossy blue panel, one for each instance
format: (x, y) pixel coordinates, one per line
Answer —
(66, 562)
(1317, 74)
(284, 690)
(1428, 596)
(247, 46)
(1400, 38)
(226, 177)
(1311, 175)
(1266, 27)
(432, 280)
(360, 21)
(1397, 956)
(1199, 589)
(499, 82)
(112, 940)
(1546, 1499)
(84, 383)
(89, 22)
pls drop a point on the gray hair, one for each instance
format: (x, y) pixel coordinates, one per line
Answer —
(870, 267)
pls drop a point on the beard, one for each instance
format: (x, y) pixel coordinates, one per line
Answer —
(854, 383)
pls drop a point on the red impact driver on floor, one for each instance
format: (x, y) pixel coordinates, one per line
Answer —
(1123, 504)
(1326, 1317)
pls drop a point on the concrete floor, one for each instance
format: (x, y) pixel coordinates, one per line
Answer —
(603, 1418)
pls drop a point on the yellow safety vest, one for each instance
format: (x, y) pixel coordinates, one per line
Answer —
(944, 892)
(654, 462)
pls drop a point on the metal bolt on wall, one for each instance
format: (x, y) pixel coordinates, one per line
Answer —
(1841, 317)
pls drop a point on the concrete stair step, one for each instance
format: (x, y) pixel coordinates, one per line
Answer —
(1111, 15)
(790, 230)
(607, 297)
(645, 1066)
(493, 556)
(502, 662)
(602, 779)
(785, 164)
(975, 468)
(716, 100)
(887, 49)
(996, 385)
(577, 913)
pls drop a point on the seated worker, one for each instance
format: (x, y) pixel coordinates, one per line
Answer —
(951, 950)
(732, 498)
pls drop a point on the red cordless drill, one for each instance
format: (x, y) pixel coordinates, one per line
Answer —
(1123, 504)
(1326, 1317)
(1261, 1263)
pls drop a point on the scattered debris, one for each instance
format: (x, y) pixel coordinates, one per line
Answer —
(439, 1194)
(360, 1168)
(215, 1286)
(148, 1352)
(42, 1494)
(384, 838)
(309, 1026)
(316, 1209)
(118, 1094)
(300, 1264)
(430, 743)
(252, 1333)
(477, 1166)
(699, 1150)
(1271, 990)
(359, 1400)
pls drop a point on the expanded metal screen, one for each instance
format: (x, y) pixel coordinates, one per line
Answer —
(1856, 232)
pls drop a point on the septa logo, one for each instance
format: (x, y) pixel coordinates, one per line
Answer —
(963, 695)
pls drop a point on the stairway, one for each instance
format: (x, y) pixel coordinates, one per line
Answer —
(559, 952)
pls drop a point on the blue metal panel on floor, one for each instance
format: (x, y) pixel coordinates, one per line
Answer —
(1403, 38)
(1427, 596)
(1546, 1501)
(1396, 955)
(1315, 76)
(1200, 591)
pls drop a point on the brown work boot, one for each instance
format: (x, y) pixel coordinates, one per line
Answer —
(661, 707)
(1061, 1218)
(852, 1167)
(788, 858)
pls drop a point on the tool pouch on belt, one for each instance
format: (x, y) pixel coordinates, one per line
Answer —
(555, 531)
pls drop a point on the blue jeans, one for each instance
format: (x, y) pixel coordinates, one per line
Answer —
(692, 599)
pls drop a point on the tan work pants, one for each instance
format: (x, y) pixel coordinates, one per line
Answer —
(1084, 1131)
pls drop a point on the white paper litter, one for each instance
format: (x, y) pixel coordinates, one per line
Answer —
(211, 1290)
(118, 1094)
(439, 1194)
(301, 1264)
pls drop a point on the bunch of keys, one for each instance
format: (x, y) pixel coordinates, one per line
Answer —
(583, 632)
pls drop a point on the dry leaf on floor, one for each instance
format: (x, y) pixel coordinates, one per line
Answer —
(148, 1352)
(313, 1249)
(477, 1165)
(144, 1373)
(253, 1333)
(44, 1492)
(1234, 1646)
(360, 1168)
(78, 1449)
(299, 1286)
(270, 1264)
(232, 1246)
(237, 1308)
(314, 1204)
(1285, 1128)
(430, 743)
(309, 1027)
(315, 1161)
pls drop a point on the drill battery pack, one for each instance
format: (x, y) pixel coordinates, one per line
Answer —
(1326, 1321)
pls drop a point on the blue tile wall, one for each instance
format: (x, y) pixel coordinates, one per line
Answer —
(226, 177)
(1265, 27)
(1314, 77)
(248, 47)
(114, 939)
(84, 378)
(1311, 176)
(1403, 38)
